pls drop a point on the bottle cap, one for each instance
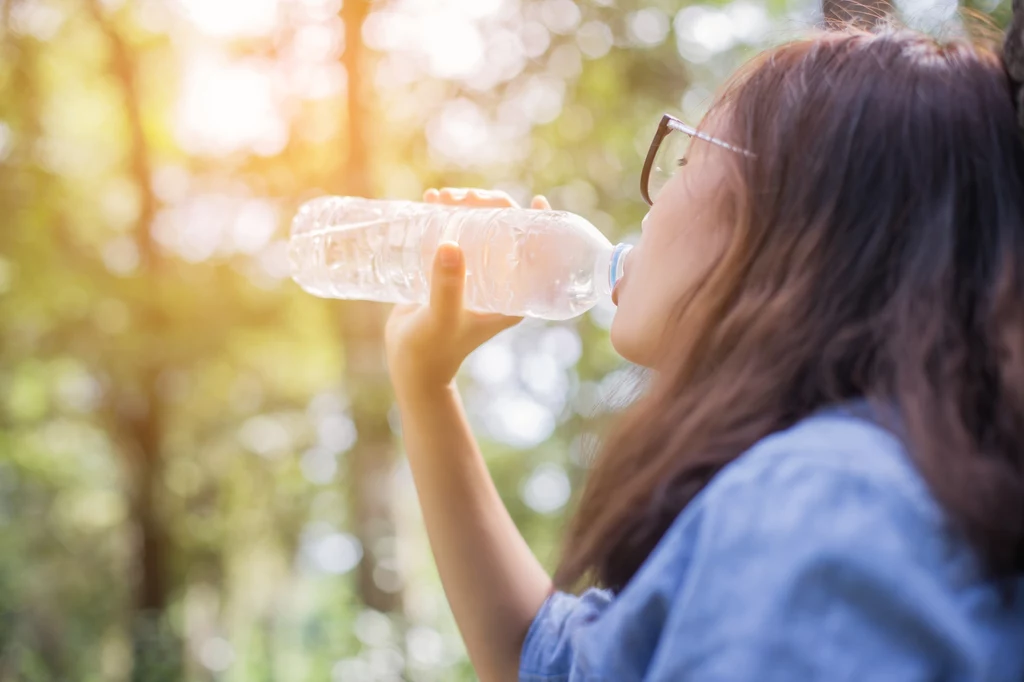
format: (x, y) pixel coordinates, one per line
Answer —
(618, 263)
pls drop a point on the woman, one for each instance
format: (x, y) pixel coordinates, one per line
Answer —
(826, 477)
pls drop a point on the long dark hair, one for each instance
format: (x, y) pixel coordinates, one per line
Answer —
(878, 254)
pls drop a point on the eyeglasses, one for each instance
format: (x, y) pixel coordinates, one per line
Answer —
(668, 154)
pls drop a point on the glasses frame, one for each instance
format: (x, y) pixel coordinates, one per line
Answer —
(668, 124)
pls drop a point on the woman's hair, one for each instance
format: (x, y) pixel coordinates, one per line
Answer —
(877, 253)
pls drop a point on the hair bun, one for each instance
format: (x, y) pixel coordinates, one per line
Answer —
(1013, 57)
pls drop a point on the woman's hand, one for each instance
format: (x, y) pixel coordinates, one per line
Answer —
(426, 345)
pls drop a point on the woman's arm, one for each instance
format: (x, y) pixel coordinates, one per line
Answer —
(493, 582)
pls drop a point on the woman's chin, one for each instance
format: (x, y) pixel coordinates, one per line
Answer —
(627, 340)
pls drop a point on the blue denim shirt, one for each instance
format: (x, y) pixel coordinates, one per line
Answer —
(819, 554)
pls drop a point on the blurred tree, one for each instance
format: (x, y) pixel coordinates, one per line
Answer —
(372, 460)
(138, 412)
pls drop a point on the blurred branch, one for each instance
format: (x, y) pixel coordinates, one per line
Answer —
(123, 69)
(357, 176)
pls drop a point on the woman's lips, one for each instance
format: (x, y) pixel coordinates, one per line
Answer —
(615, 293)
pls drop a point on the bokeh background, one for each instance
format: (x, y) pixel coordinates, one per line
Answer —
(201, 472)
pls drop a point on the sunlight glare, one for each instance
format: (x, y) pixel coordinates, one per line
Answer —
(318, 465)
(217, 654)
(266, 436)
(595, 39)
(226, 107)
(504, 60)
(352, 670)
(6, 140)
(425, 646)
(541, 98)
(453, 45)
(541, 374)
(318, 42)
(536, 39)
(516, 419)
(254, 225)
(649, 26)
(225, 18)
(547, 489)
(703, 32)
(460, 133)
(315, 81)
(750, 21)
(445, 36)
(477, 9)
(561, 16)
(317, 10)
(335, 553)
(120, 255)
(34, 18)
(388, 31)
(563, 344)
(492, 364)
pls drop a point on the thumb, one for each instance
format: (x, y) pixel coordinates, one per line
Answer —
(447, 282)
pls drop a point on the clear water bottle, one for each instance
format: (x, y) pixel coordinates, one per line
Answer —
(548, 264)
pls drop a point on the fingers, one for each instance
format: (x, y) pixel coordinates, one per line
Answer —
(461, 196)
(453, 194)
(491, 199)
(447, 283)
(477, 198)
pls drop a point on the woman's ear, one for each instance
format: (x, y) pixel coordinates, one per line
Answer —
(1013, 57)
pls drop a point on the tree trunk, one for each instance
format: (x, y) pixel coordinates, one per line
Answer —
(156, 652)
(372, 459)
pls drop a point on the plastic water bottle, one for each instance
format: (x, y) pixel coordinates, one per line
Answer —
(547, 264)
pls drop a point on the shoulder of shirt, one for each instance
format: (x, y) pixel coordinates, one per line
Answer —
(837, 447)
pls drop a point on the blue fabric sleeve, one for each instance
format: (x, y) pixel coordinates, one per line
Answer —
(549, 649)
(806, 574)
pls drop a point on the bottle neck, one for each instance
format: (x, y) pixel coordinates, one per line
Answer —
(610, 268)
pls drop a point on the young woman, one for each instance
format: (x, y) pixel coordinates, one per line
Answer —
(825, 480)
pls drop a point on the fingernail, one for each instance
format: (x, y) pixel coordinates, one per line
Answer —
(449, 256)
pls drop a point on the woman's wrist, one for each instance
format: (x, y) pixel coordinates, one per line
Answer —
(423, 394)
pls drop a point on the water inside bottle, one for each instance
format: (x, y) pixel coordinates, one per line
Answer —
(533, 263)
(358, 262)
